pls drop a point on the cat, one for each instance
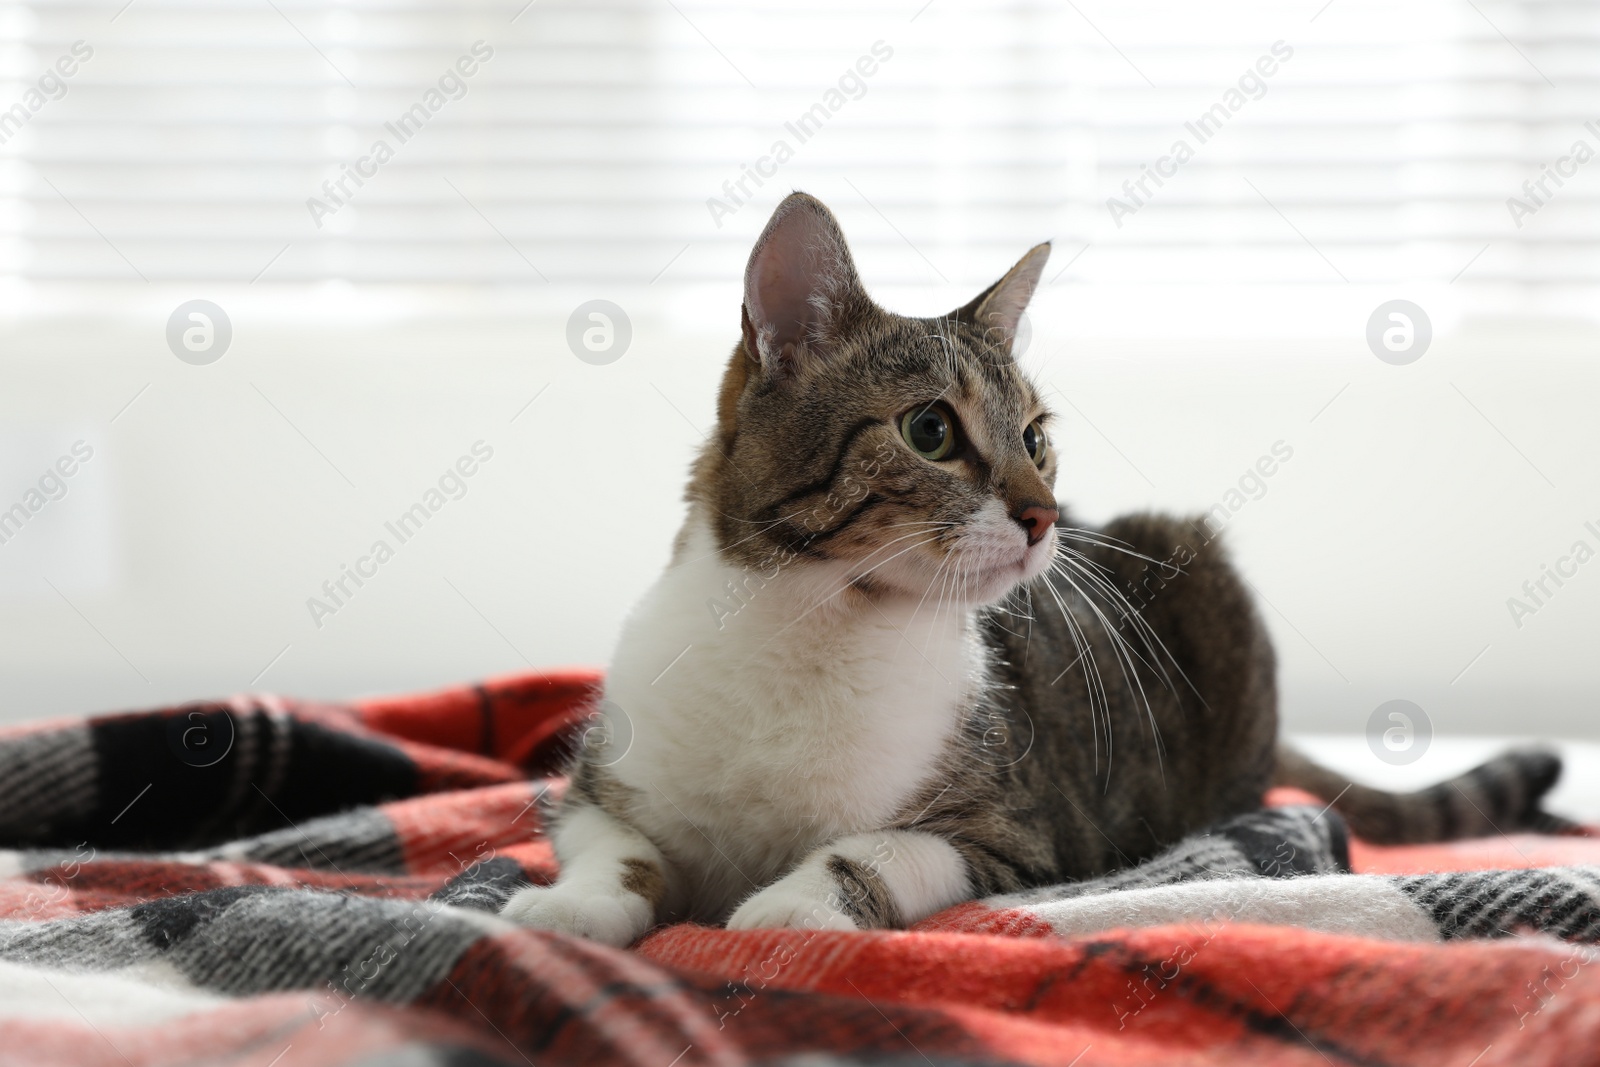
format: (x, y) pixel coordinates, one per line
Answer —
(885, 673)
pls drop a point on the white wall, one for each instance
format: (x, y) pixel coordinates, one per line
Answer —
(185, 550)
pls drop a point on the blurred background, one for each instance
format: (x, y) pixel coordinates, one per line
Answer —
(1237, 193)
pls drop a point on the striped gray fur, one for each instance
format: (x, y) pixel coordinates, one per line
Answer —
(862, 895)
(1499, 796)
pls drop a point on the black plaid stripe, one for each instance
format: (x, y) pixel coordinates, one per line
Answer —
(133, 782)
(1281, 842)
(1561, 901)
(438, 1055)
(47, 781)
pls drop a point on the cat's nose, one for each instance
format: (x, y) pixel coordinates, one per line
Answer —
(1036, 521)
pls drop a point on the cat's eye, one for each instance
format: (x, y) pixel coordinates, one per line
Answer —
(929, 431)
(1037, 444)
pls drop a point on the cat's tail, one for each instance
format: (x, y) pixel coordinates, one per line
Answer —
(1500, 796)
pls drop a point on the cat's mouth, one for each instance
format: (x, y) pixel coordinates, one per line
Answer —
(989, 558)
(992, 583)
(996, 570)
(991, 565)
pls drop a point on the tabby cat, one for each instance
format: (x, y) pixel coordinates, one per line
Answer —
(885, 673)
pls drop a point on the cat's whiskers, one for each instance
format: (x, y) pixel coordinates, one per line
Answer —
(924, 598)
(1093, 682)
(941, 574)
(1152, 641)
(1017, 604)
(942, 563)
(958, 586)
(1094, 537)
(960, 574)
(1071, 562)
(1065, 564)
(1130, 672)
(1129, 654)
(1027, 641)
(767, 527)
(851, 580)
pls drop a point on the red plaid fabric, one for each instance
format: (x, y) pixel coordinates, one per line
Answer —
(308, 900)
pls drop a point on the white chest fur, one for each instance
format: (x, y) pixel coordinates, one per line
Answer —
(760, 726)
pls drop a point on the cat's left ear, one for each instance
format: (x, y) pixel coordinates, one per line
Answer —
(998, 309)
(800, 287)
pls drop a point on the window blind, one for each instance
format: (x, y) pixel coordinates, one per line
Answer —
(632, 147)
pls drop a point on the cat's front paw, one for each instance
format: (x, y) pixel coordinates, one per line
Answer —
(615, 919)
(793, 904)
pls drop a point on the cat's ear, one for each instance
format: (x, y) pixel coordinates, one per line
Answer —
(800, 286)
(998, 309)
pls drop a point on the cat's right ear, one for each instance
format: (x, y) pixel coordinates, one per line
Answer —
(997, 311)
(800, 287)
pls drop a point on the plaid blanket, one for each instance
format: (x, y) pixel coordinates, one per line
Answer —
(271, 882)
